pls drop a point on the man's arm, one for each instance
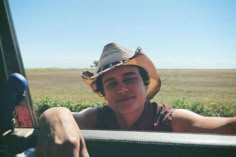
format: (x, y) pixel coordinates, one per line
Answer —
(59, 135)
(188, 121)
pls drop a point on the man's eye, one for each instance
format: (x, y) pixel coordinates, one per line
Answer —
(111, 84)
(130, 80)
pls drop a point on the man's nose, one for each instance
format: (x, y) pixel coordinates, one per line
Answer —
(122, 88)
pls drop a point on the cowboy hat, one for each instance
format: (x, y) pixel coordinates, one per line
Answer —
(115, 55)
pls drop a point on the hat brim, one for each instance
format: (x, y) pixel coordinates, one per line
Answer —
(140, 60)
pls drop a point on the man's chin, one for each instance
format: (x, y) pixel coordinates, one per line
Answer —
(126, 107)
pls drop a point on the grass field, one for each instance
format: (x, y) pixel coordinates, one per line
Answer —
(208, 87)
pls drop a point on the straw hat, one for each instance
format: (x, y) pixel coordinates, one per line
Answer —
(115, 55)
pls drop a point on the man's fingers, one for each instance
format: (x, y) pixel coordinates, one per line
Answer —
(83, 149)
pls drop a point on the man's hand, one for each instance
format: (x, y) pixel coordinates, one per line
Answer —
(59, 135)
(164, 114)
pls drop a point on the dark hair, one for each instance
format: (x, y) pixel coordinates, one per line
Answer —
(142, 71)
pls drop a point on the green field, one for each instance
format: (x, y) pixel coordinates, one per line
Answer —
(213, 88)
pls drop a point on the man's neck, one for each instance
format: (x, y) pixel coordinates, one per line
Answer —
(127, 120)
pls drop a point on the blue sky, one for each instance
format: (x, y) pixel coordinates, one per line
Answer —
(173, 33)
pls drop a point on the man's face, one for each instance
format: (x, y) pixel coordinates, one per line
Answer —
(124, 89)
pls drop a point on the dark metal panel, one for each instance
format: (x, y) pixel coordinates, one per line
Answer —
(152, 144)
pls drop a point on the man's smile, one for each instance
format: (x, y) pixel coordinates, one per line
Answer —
(125, 99)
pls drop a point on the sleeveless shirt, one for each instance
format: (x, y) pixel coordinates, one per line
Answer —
(155, 117)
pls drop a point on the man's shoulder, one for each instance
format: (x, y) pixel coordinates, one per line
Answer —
(86, 118)
(89, 111)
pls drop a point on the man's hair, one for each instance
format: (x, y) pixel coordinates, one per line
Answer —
(143, 74)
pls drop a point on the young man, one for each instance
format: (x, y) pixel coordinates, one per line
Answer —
(127, 81)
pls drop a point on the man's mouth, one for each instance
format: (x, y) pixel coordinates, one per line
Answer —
(125, 99)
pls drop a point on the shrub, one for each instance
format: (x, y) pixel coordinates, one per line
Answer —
(44, 104)
(216, 110)
(212, 109)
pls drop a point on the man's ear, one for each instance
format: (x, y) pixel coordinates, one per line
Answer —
(105, 99)
(104, 96)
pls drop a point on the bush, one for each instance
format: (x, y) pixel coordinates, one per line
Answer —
(44, 104)
(216, 110)
(220, 110)
(212, 109)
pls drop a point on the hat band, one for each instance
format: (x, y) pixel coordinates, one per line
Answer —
(109, 67)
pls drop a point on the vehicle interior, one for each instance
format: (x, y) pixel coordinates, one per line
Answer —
(18, 122)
